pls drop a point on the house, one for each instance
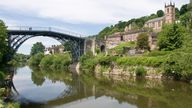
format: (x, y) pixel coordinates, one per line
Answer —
(54, 49)
(156, 25)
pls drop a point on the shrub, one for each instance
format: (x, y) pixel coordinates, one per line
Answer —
(140, 71)
(2, 75)
(179, 66)
(47, 61)
(56, 62)
(36, 59)
(140, 60)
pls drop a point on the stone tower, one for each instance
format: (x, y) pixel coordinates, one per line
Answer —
(170, 13)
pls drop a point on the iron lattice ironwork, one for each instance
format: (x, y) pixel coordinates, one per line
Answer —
(18, 35)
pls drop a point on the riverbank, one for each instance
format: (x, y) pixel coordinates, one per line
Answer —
(155, 64)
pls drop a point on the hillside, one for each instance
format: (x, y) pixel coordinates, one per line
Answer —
(138, 23)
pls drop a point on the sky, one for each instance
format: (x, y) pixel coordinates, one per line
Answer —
(86, 17)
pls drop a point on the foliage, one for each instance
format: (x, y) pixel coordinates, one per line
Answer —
(171, 37)
(184, 9)
(156, 53)
(37, 48)
(143, 41)
(2, 75)
(140, 71)
(19, 59)
(56, 62)
(177, 13)
(136, 23)
(160, 13)
(68, 46)
(120, 48)
(179, 66)
(36, 59)
(3, 41)
(140, 60)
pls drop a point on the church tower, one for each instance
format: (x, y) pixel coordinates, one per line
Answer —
(170, 13)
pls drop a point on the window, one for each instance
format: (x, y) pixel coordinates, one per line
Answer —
(159, 23)
(167, 10)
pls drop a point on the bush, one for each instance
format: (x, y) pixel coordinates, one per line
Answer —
(2, 75)
(157, 53)
(140, 60)
(36, 59)
(140, 71)
(56, 62)
(179, 66)
(47, 61)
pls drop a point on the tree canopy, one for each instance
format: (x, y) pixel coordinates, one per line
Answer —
(37, 48)
(160, 13)
(143, 41)
(171, 37)
(3, 41)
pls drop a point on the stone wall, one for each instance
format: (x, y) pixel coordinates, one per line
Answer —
(127, 71)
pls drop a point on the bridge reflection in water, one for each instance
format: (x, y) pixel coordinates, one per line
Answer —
(99, 91)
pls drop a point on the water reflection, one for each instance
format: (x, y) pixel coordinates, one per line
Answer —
(48, 89)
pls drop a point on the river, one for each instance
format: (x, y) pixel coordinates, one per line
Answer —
(48, 89)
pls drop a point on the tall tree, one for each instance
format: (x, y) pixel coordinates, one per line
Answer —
(184, 9)
(143, 41)
(177, 13)
(171, 37)
(3, 41)
(37, 48)
(160, 13)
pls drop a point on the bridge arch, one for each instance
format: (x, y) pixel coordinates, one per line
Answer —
(16, 37)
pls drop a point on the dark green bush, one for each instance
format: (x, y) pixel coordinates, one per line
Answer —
(179, 66)
(140, 71)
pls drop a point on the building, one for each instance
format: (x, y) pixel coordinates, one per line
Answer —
(155, 24)
(54, 49)
(169, 18)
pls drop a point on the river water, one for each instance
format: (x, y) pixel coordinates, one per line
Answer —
(48, 89)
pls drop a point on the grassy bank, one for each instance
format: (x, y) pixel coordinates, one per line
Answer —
(173, 64)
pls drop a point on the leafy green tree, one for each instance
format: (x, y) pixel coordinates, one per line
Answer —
(68, 46)
(143, 41)
(184, 9)
(36, 59)
(3, 41)
(186, 20)
(177, 13)
(171, 37)
(160, 13)
(37, 48)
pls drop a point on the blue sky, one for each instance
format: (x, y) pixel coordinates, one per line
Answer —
(86, 17)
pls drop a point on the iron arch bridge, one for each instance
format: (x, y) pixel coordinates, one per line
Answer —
(18, 35)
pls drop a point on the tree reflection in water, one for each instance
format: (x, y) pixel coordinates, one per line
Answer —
(142, 93)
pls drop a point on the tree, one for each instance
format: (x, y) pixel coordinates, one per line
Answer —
(36, 59)
(3, 41)
(37, 48)
(171, 37)
(143, 41)
(160, 13)
(184, 9)
(177, 13)
(68, 46)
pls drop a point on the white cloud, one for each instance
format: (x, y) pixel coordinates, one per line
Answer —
(88, 11)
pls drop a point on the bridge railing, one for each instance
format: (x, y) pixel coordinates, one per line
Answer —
(52, 29)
